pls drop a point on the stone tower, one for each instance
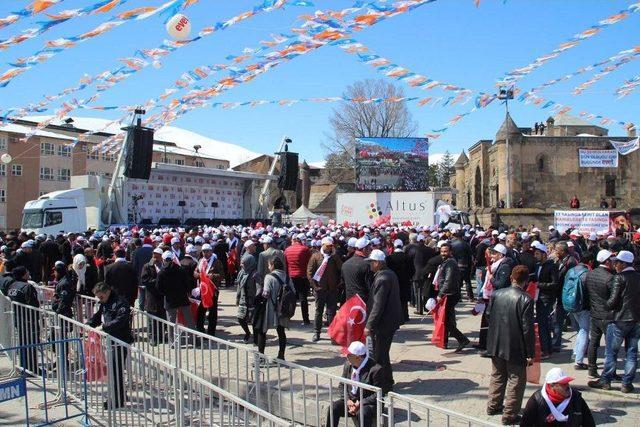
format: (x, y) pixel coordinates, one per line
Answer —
(305, 183)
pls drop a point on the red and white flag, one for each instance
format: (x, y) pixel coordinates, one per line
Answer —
(349, 323)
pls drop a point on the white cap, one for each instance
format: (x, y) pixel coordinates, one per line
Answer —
(500, 249)
(357, 349)
(301, 237)
(551, 228)
(481, 234)
(362, 243)
(557, 375)
(158, 251)
(352, 242)
(593, 236)
(398, 243)
(377, 255)
(495, 233)
(624, 256)
(248, 243)
(166, 255)
(375, 241)
(199, 240)
(207, 247)
(524, 235)
(539, 246)
(190, 249)
(266, 239)
(327, 241)
(440, 243)
(420, 237)
(603, 255)
(575, 233)
(535, 230)
(175, 240)
(434, 235)
(570, 244)
(502, 236)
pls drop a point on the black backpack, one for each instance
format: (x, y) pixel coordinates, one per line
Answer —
(287, 300)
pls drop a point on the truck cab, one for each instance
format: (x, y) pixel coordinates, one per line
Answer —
(52, 213)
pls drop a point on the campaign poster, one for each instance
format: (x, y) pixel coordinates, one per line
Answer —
(415, 208)
(587, 222)
(392, 164)
(598, 158)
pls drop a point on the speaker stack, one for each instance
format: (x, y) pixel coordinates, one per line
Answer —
(288, 179)
(140, 153)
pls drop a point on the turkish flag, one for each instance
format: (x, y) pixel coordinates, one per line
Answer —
(207, 288)
(349, 323)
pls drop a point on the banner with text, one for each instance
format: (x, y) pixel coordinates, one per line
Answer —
(585, 222)
(598, 158)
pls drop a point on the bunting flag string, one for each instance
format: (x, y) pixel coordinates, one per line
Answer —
(624, 55)
(514, 76)
(317, 31)
(109, 78)
(53, 47)
(628, 87)
(580, 89)
(34, 8)
(55, 19)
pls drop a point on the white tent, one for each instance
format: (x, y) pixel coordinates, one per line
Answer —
(304, 215)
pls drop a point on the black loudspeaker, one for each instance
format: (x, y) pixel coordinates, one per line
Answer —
(182, 203)
(214, 204)
(288, 179)
(140, 153)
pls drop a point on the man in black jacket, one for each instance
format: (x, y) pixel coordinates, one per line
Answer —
(359, 367)
(398, 262)
(511, 346)
(26, 321)
(154, 301)
(625, 328)
(50, 254)
(548, 285)
(384, 312)
(356, 273)
(597, 289)
(114, 318)
(449, 285)
(140, 256)
(461, 252)
(173, 285)
(419, 254)
(565, 263)
(121, 277)
(6, 279)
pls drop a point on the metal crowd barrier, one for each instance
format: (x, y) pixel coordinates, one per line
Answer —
(168, 360)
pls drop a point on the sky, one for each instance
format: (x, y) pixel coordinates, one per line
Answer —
(448, 40)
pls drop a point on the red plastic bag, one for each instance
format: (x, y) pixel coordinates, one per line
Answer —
(533, 371)
(439, 329)
(193, 307)
(94, 360)
(533, 291)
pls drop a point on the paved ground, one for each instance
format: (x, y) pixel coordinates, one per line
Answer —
(458, 382)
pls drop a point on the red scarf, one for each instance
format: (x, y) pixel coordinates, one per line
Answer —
(554, 396)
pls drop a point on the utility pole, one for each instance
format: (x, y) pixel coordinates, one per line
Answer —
(506, 95)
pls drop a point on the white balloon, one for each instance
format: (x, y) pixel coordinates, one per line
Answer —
(6, 158)
(157, 64)
(179, 27)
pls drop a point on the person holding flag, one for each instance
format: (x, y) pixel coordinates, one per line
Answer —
(323, 272)
(209, 275)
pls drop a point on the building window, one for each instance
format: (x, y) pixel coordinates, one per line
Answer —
(16, 170)
(64, 174)
(46, 174)
(107, 157)
(93, 155)
(46, 149)
(220, 167)
(199, 164)
(3, 170)
(3, 143)
(180, 162)
(64, 150)
(542, 163)
(610, 186)
(2, 196)
(52, 218)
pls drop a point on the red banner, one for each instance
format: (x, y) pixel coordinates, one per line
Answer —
(349, 323)
(533, 371)
(439, 329)
(207, 288)
(94, 360)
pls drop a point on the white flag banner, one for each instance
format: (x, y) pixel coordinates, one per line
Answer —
(626, 147)
(598, 158)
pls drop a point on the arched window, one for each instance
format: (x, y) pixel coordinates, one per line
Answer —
(541, 163)
(477, 187)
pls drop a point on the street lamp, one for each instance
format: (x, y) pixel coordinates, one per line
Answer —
(506, 95)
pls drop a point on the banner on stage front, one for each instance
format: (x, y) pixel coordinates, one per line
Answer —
(585, 222)
(598, 158)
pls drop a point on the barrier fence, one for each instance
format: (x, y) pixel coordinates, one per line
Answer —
(171, 372)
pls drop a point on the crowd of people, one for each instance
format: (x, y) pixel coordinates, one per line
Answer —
(523, 277)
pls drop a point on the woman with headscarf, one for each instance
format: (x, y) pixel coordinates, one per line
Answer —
(557, 404)
(85, 275)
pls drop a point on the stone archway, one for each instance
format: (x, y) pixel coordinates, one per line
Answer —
(477, 188)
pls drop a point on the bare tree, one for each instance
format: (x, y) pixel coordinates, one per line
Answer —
(353, 119)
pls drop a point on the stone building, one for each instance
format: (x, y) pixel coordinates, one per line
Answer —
(544, 168)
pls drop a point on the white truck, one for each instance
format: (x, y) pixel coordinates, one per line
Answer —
(74, 210)
(416, 207)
